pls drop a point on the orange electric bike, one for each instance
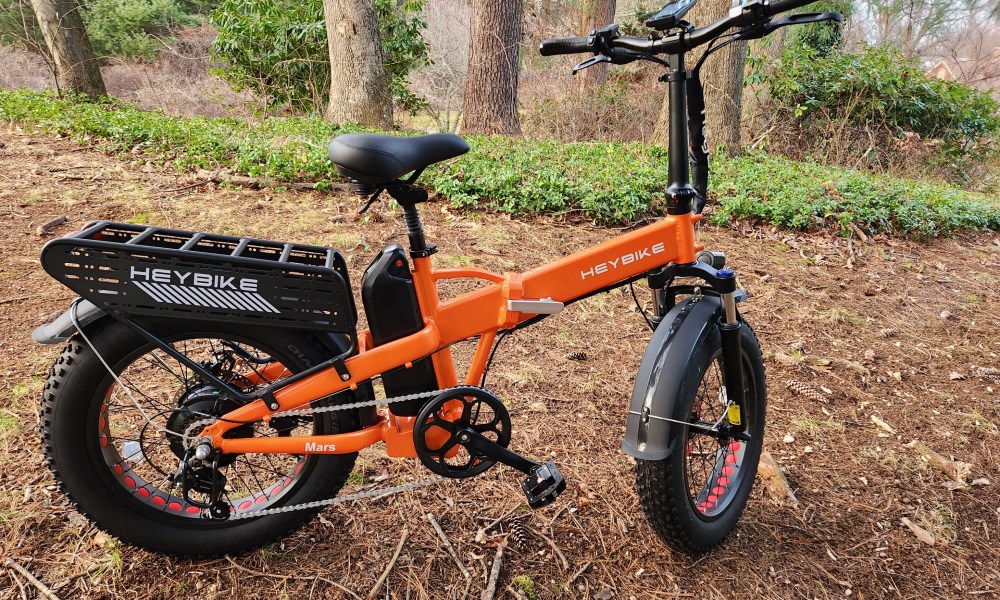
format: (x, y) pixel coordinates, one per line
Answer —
(214, 391)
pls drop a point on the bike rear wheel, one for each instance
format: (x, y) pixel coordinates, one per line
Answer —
(114, 447)
(693, 498)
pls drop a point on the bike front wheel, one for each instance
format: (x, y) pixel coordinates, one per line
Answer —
(693, 498)
(115, 443)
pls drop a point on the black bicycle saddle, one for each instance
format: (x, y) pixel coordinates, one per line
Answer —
(375, 159)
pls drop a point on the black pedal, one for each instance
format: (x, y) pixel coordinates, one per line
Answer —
(543, 485)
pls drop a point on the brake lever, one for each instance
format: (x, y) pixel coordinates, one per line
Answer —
(617, 56)
(593, 60)
(756, 32)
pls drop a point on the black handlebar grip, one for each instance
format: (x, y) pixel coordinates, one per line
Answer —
(573, 45)
(779, 6)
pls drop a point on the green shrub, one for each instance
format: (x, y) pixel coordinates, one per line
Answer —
(133, 29)
(278, 50)
(803, 195)
(880, 90)
(18, 26)
(608, 182)
(126, 29)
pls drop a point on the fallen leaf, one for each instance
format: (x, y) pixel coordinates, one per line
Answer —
(605, 594)
(980, 481)
(922, 534)
(955, 376)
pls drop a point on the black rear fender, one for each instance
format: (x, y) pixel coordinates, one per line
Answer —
(62, 328)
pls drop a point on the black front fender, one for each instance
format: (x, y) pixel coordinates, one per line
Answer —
(660, 373)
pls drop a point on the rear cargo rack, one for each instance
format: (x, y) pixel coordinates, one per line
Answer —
(139, 270)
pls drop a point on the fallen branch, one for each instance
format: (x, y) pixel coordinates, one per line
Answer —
(296, 577)
(451, 551)
(558, 552)
(572, 580)
(44, 589)
(19, 298)
(959, 471)
(491, 584)
(257, 182)
(388, 567)
(50, 225)
(775, 481)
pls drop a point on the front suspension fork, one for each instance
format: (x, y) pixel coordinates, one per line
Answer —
(723, 282)
(732, 353)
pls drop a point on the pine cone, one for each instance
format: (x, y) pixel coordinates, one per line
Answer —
(579, 355)
(989, 373)
(804, 390)
(518, 535)
(888, 333)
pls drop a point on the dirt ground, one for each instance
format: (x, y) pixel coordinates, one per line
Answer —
(870, 344)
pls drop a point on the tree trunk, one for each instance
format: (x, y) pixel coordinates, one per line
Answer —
(722, 76)
(359, 92)
(76, 67)
(490, 98)
(593, 15)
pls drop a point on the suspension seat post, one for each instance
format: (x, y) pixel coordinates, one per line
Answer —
(409, 197)
(415, 232)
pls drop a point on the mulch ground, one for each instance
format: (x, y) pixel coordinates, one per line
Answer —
(870, 344)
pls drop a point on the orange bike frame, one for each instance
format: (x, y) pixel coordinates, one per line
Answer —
(481, 313)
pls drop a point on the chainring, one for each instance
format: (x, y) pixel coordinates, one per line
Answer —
(435, 436)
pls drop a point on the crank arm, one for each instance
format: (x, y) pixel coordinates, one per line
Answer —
(473, 440)
(543, 483)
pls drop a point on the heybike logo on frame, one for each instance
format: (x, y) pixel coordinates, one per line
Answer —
(191, 288)
(625, 259)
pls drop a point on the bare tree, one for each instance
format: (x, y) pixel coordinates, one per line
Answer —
(722, 76)
(971, 55)
(490, 100)
(359, 92)
(76, 67)
(441, 81)
(912, 26)
(595, 14)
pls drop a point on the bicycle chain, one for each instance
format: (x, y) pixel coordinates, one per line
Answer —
(338, 499)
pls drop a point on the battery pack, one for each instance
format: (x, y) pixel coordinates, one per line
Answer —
(390, 302)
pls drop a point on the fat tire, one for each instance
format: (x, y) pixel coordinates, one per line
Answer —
(73, 393)
(662, 485)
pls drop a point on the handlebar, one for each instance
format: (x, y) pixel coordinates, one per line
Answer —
(758, 11)
(572, 45)
(780, 6)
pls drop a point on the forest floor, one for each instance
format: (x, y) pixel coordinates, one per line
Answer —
(890, 340)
